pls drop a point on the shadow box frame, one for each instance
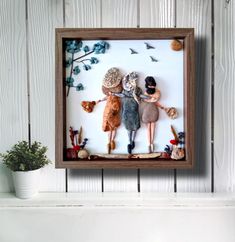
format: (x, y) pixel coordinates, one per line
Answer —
(185, 34)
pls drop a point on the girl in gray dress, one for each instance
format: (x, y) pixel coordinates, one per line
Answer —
(131, 96)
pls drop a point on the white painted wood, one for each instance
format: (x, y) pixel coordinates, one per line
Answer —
(85, 180)
(13, 79)
(125, 200)
(157, 14)
(224, 88)
(120, 13)
(197, 14)
(105, 218)
(118, 180)
(43, 17)
(81, 14)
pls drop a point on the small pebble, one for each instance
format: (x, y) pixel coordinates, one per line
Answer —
(176, 45)
(83, 154)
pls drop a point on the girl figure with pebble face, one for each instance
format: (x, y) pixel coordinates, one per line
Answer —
(131, 96)
(112, 83)
(150, 113)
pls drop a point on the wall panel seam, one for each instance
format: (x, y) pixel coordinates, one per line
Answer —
(212, 92)
(175, 23)
(27, 70)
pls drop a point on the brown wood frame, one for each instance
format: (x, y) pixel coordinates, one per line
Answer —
(187, 34)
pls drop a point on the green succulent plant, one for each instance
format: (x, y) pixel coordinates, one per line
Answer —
(25, 157)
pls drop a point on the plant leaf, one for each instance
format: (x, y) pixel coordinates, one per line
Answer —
(86, 67)
(94, 60)
(76, 70)
(69, 81)
(68, 62)
(73, 46)
(79, 87)
(100, 47)
(86, 48)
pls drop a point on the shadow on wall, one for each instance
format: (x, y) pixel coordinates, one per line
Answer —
(203, 125)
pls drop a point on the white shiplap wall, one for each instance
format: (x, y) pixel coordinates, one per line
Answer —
(27, 67)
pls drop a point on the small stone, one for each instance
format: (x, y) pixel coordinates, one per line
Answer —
(171, 112)
(83, 154)
(88, 106)
(177, 153)
(176, 45)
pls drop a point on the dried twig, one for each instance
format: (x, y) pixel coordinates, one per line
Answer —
(174, 133)
(80, 136)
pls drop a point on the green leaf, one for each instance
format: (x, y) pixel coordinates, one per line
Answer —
(86, 67)
(94, 60)
(76, 70)
(23, 157)
(69, 81)
(86, 48)
(68, 62)
(79, 87)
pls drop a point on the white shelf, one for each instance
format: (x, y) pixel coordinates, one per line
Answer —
(143, 200)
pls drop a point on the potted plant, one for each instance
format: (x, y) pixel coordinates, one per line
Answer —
(25, 162)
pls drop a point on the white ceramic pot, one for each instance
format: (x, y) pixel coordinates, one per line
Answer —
(26, 183)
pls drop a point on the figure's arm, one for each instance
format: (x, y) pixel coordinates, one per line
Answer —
(144, 97)
(159, 105)
(117, 94)
(101, 100)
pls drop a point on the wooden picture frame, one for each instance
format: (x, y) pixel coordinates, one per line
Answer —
(186, 35)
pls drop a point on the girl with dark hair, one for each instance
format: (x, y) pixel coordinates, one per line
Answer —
(150, 110)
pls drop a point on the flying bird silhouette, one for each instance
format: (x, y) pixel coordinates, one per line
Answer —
(153, 59)
(148, 46)
(133, 51)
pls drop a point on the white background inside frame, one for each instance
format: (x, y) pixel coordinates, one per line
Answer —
(168, 73)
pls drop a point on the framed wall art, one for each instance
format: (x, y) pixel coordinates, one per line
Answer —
(125, 98)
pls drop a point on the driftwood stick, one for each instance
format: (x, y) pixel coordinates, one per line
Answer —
(146, 156)
(126, 156)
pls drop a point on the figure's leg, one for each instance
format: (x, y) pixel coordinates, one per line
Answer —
(149, 136)
(113, 135)
(153, 125)
(133, 134)
(109, 143)
(129, 146)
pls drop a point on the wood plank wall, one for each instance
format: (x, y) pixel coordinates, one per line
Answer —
(27, 87)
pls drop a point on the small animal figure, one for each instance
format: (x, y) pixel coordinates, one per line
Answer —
(133, 51)
(148, 46)
(153, 59)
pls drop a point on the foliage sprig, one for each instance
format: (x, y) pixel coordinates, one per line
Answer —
(25, 157)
